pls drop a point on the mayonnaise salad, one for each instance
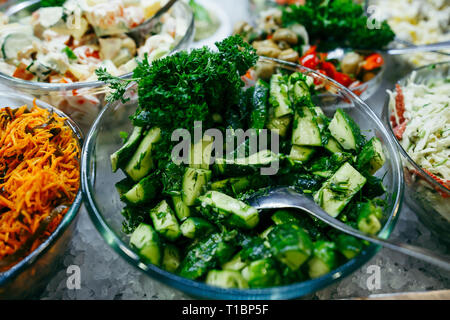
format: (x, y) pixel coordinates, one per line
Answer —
(418, 22)
(67, 44)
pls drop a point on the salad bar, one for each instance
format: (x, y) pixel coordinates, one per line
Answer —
(178, 143)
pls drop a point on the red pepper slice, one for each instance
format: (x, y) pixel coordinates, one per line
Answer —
(400, 130)
(400, 103)
(310, 61)
(374, 61)
(329, 69)
(343, 79)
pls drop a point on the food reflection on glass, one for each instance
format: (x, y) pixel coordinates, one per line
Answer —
(420, 119)
(40, 177)
(206, 22)
(65, 41)
(191, 217)
(308, 34)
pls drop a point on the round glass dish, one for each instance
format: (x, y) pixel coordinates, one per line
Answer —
(426, 197)
(104, 205)
(82, 101)
(31, 275)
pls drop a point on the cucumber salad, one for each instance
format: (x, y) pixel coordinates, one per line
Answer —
(194, 219)
(66, 41)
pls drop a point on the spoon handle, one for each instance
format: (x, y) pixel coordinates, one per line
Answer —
(288, 198)
(420, 48)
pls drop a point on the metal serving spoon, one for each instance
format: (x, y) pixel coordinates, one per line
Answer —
(339, 53)
(140, 33)
(283, 197)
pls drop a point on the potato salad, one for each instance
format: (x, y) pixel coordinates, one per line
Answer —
(67, 43)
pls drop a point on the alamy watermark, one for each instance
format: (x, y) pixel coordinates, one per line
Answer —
(374, 280)
(73, 281)
(234, 146)
(374, 17)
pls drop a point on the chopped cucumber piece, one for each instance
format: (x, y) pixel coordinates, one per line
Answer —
(194, 227)
(369, 217)
(349, 246)
(285, 216)
(265, 158)
(306, 132)
(165, 222)
(125, 185)
(346, 131)
(181, 209)
(261, 273)
(207, 254)
(235, 264)
(171, 258)
(141, 163)
(120, 158)
(372, 158)
(337, 192)
(226, 279)
(14, 43)
(301, 154)
(146, 241)
(290, 244)
(324, 259)
(279, 96)
(143, 192)
(217, 206)
(194, 184)
(333, 146)
(279, 125)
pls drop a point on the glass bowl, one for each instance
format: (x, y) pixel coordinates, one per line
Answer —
(82, 101)
(427, 198)
(30, 276)
(104, 205)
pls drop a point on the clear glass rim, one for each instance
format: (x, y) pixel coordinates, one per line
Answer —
(386, 118)
(44, 86)
(199, 289)
(17, 269)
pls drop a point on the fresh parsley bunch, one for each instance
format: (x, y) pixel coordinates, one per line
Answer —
(338, 23)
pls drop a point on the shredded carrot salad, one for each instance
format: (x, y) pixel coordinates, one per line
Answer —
(39, 172)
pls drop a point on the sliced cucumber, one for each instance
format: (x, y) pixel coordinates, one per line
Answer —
(165, 222)
(337, 192)
(301, 154)
(171, 258)
(372, 158)
(194, 184)
(239, 166)
(333, 146)
(143, 192)
(306, 131)
(181, 209)
(146, 241)
(346, 131)
(217, 206)
(141, 163)
(279, 125)
(279, 96)
(195, 227)
(226, 279)
(120, 157)
(14, 43)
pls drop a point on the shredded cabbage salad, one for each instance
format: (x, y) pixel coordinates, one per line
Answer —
(427, 134)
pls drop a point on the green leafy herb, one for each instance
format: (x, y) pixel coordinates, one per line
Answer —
(338, 23)
(70, 53)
